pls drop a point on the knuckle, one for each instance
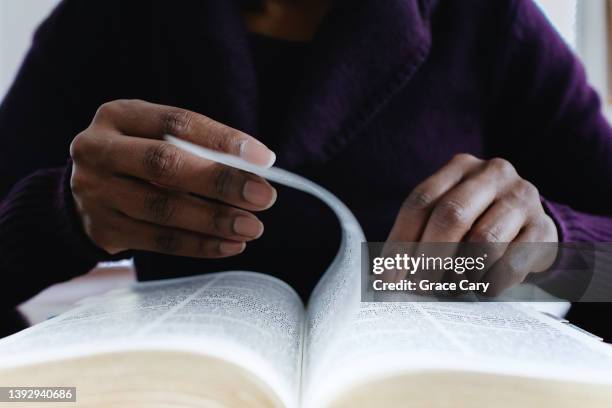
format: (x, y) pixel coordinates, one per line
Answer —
(177, 122)
(526, 190)
(223, 178)
(465, 158)
(78, 181)
(93, 147)
(160, 206)
(109, 109)
(133, 102)
(419, 199)
(104, 110)
(450, 213)
(162, 162)
(167, 242)
(80, 147)
(501, 166)
(531, 191)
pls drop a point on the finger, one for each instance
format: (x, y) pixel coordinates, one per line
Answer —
(148, 120)
(144, 236)
(415, 210)
(456, 211)
(492, 233)
(157, 205)
(165, 164)
(453, 216)
(521, 257)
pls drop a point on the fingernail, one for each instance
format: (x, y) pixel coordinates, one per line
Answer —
(248, 227)
(257, 153)
(259, 194)
(231, 247)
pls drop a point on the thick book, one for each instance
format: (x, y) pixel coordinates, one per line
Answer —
(245, 339)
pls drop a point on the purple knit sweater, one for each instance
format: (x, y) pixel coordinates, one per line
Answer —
(389, 92)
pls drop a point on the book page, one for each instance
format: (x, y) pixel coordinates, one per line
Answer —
(503, 338)
(334, 301)
(251, 319)
(336, 297)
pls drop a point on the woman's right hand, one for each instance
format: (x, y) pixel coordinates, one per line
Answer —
(134, 191)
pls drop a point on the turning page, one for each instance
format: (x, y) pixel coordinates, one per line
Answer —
(336, 297)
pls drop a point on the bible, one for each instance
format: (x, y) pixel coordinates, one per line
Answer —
(245, 339)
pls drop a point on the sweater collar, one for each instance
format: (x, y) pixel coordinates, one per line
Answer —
(363, 53)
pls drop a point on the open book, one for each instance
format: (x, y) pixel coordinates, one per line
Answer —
(244, 339)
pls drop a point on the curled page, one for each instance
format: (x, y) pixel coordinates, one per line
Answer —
(336, 296)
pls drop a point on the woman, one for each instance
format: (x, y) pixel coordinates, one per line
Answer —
(399, 107)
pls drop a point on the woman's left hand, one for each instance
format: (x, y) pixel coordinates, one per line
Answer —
(483, 201)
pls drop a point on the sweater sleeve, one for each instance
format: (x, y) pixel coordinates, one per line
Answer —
(41, 240)
(549, 123)
(51, 100)
(577, 226)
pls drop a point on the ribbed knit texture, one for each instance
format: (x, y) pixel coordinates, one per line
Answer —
(41, 241)
(576, 226)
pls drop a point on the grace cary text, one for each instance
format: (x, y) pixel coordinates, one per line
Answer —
(429, 286)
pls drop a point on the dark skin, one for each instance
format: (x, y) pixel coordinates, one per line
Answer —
(136, 193)
(294, 20)
(480, 201)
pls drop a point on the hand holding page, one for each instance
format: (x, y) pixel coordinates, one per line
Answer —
(244, 339)
(336, 296)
